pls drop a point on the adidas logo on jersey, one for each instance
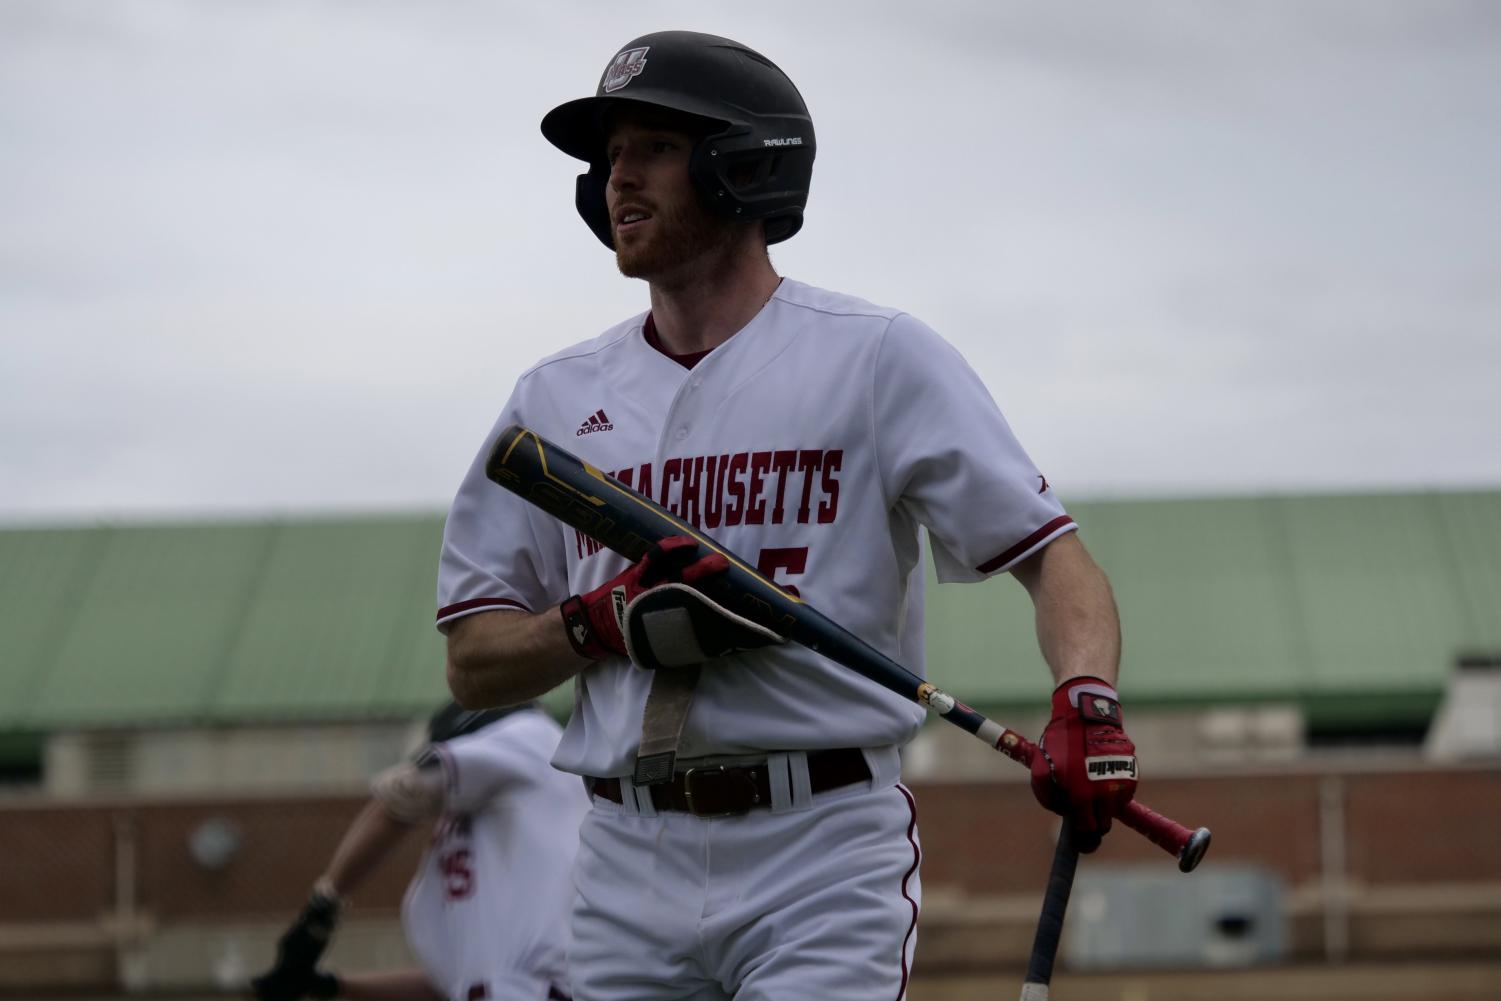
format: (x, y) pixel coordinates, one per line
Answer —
(597, 422)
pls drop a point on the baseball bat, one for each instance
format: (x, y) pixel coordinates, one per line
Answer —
(1050, 923)
(619, 518)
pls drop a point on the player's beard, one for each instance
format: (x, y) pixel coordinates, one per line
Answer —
(681, 234)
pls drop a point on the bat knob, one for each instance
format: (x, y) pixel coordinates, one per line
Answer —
(1193, 851)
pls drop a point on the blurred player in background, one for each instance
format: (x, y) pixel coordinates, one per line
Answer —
(487, 911)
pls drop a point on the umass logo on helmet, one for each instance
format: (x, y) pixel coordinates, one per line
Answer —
(624, 68)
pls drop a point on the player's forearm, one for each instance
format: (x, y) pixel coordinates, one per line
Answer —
(368, 841)
(1078, 627)
(504, 657)
(396, 985)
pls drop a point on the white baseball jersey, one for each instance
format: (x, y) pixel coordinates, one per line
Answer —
(487, 912)
(813, 443)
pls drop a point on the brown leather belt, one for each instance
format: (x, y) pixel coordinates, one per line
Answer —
(730, 790)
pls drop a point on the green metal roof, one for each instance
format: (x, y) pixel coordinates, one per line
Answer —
(212, 623)
(1355, 606)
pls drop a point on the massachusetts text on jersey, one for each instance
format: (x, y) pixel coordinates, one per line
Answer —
(774, 487)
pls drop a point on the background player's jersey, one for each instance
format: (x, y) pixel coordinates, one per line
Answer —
(490, 902)
(813, 443)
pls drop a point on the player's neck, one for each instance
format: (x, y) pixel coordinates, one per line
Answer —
(704, 310)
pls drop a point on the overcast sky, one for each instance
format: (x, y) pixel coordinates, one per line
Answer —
(280, 257)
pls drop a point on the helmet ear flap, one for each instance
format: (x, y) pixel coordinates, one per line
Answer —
(589, 198)
(724, 168)
(783, 226)
(738, 177)
(713, 187)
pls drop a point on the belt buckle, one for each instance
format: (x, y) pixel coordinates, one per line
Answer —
(701, 801)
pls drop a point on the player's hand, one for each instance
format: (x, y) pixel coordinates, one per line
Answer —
(324, 985)
(653, 613)
(295, 974)
(1085, 765)
(320, 984)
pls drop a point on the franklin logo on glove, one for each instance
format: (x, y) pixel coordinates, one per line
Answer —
(1109, 768)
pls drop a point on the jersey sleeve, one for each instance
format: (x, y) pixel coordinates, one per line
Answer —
(946, 452)
(480, 766)
(498, 550)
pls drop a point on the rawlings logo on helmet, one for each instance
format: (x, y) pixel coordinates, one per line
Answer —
(624, 68)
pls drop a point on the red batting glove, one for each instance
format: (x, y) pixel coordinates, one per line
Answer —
(1085, 765)
(596, 621)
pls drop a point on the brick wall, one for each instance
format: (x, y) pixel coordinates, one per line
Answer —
(57, 863)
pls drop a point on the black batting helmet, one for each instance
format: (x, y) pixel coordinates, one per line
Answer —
(756, 128)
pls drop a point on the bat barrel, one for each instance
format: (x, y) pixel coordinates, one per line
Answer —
(1050, 921)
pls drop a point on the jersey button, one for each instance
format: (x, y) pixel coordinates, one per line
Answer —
(682, 432)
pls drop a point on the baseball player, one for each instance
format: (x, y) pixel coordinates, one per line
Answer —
(487, 911)
(749, 837)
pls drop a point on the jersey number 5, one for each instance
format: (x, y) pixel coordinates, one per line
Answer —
(772, 561)
(458, 874)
